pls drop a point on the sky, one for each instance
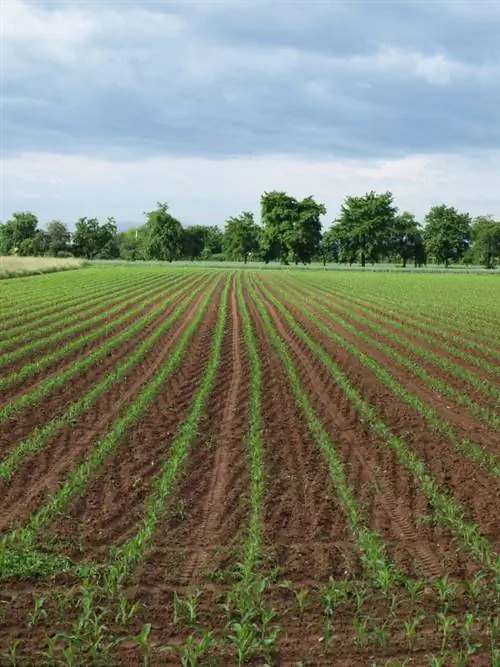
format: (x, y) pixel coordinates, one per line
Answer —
(111, 106)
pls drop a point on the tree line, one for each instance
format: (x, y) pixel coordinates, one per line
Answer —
(369, 229)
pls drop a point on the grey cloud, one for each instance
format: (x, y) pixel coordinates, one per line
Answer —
(254, 79)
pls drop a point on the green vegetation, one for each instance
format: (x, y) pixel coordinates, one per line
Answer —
(211, 467)
(370, 229)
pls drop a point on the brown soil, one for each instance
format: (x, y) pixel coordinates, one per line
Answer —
(305, 531)
(207, 516)
(467, 424)
(465, 481)
(113, 503)
(60, 364)
(42, 473)
(80, 313)
(20, 425)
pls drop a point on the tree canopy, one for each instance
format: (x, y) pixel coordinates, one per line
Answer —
(369, 229)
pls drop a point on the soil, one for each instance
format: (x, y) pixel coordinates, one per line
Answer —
(307, 541)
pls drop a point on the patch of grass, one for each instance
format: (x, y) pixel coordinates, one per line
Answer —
(12, 267)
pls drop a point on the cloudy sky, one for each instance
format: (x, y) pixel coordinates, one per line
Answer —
(112, 106)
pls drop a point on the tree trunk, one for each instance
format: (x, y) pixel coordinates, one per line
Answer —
(363, 258)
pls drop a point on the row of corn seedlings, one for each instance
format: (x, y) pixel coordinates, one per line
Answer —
(84, 641)
(467, 447)
(448, 513)
(79, 478)
(483, 386)
(78, 308)
(31, 368)
(48, 385)
(437, 342)
(251, 631)
(105, 312)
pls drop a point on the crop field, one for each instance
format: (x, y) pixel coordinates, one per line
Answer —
(229, 467)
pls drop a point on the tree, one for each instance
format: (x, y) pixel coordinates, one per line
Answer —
(87, 237)
(21, 227)
(164, 234)
(408, 241)
(193, 241)
(292, 228)
(366, 227)
(41, 242)
(486, 240)
(305, 240)
(328, 246)
(241, 236)
(447, 233)
(278, 213)
(108, 240)
(213, 242)
(131, 243)
(58, 237)
(92, 240)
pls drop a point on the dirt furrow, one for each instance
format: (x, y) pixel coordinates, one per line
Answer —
(19, 426)
(15, 389)
(479, 493)
(392, 503)
(305, 530)
(112, 505)
(41, 474)
(209, 509)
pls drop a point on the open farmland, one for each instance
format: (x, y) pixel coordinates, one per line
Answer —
(238, 467)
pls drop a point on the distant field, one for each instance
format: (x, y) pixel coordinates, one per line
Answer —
(22, 266)
(221, 467)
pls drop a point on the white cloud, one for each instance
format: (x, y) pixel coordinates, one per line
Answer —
(209, 191)
(54, 34)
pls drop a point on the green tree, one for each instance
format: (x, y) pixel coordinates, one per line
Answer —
(58, 237)
(21, 227)
(278, 214)
(447, 233)
(193, 241)
(292, 228)
(366, 227)
(408, 241)
(108, 240)
(131, 243)
(241, 236)
(164, 235)
(486, 240)
(41, 243)
(305, 240)
(328, 247)
(213, 242)
(86, 237)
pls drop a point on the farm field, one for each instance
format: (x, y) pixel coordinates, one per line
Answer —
(223, 467)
